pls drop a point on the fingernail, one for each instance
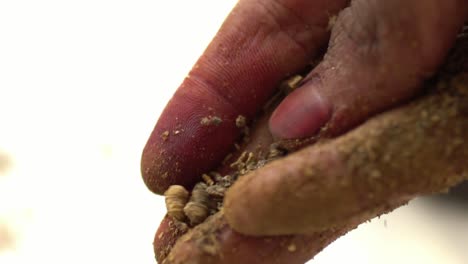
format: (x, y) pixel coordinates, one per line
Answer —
(301, 114)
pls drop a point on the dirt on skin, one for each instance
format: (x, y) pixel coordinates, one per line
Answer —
(398, 155)
(211, 121)
(206, 197)
(214, 184)
(260, 148)
(388, 160)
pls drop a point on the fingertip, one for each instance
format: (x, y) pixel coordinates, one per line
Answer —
(301, 114)
(254, 204)
(237, 208)
(188, 140)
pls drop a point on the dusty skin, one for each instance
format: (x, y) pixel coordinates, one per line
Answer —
(387, 161)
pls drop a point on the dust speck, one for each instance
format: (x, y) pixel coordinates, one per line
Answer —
(165, 135)
(331, 22)
(241, 121)
(211, 120)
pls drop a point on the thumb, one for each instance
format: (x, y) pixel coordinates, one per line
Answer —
(413, 150)
(379, 54)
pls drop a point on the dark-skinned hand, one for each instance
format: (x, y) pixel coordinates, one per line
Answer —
(379, 53)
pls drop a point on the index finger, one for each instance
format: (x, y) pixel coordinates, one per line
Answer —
(259, 44)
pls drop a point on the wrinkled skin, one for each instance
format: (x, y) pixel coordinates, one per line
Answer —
(379, 54)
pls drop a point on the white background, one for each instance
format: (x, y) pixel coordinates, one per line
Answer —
(81, 86)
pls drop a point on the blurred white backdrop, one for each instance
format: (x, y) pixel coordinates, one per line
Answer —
(81, 86)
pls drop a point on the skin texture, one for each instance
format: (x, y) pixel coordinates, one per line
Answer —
(214, 241)
(238, 248)
(379, 54)
(366, 70)
(400, 154)
(262, 42)
(241, 62)
(423, 136)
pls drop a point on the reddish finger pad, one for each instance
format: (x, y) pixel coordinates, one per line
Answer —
(259, 44)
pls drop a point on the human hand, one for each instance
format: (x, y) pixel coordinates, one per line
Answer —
(379, 54)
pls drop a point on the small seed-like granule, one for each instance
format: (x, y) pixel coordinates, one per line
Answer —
(240, 162)
(241, 121)
(161, 235)
(292, 83)
(250, 158)
(292, 248)
(207, 179)
(165, 135)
